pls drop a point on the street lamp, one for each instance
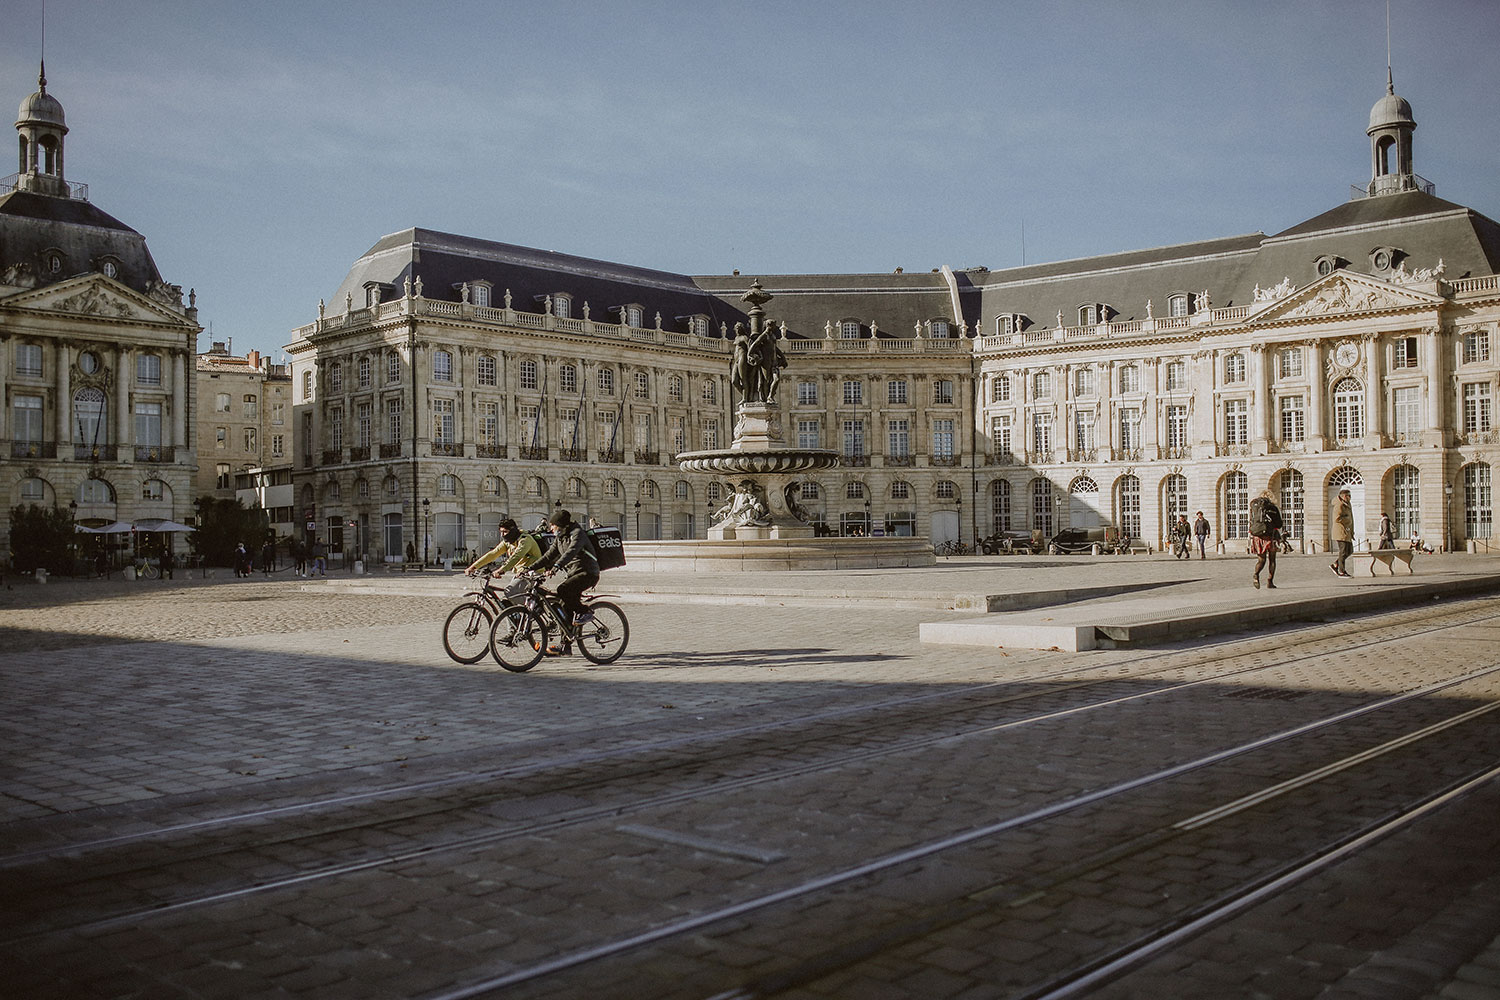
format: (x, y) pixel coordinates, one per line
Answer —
(426, 534)
(72, 538)
(1447, 517)
(868, 523)
(637, 520)
(959, 501)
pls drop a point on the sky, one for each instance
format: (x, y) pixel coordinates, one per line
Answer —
(261, 148)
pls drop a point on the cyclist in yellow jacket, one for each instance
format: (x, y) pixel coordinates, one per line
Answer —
(520, 548)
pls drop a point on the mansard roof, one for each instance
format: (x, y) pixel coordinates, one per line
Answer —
(84, 234)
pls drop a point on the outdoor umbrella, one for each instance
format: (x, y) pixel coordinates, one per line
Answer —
(159, 524)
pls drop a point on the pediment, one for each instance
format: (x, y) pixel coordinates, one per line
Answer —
(1341, 294)
(98, 296)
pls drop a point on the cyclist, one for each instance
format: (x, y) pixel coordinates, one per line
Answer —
(572, 554)
(521, 548)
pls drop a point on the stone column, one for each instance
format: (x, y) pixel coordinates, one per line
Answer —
(1317, 383)
(1433, 433)
(124, 433)
(1150, 445)
(179, 400)
(1374, 393)
(1260, 363)
(64, 398)
(1205, 403)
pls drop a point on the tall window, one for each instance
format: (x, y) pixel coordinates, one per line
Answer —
(1041, 385)
(854, 392)
(1130, 379)
(1293, 498)
(710, 435)
(1237, 505)
(1176, 376)
(307, 386)
(26, 420)
(528, 374)
(249, 441)
(1234, 369)
(1348, 411)
(1293, 419)
(562, 306)
(1083, 431)
(148, 425)
(484, 369)
(1177, 305)
(364, 426)
(278, 445)
(1130, 428)
(29, 360)
(221, 402)
(675, 390)
(1175, 492)
(90, 427)
(854, 438)
(895, 391)
(710, 391)
(1404, 352)
(1000, 389)
(1000, 436)
(1476, 348)
(1041, 506)
(278, 412)
(645, 431)
(807, 394)
(447, 485)
(1479, 511)
(606, 381)
(1289, 362)
(393, 415)
(676, 434)
(940, 329)
(479, 294)
(1236, 421)
(392, 368)
(1476, 407)
(807, 434)
(336, 377)
(148, 369)
(642, 386)
(531, 432)
(1130, 506)
(336, 428)
(898, 438)
(567, 377)
(1000, 505)
(1041, 434)
(1407, 404)
(363, 369)
(1083, 382)
(568, 430)
(1407, 497)
(1177, 429)
(442, 366)
(942, 439)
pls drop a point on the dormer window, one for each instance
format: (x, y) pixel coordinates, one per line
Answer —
(1093, 313)
(633, 315)
(1328, 263)
(372, 295)
(1178, 305)
(939, 329)
(109, 268)
(849, 329)
(479, 293)
(53, 262)
(562, 306)
(698, 325)
(1385, 258)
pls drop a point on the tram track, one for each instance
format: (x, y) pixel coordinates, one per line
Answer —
(565, 819)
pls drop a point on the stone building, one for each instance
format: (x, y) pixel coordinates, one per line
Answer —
(243, 417)
(460, 380)
(95, 349)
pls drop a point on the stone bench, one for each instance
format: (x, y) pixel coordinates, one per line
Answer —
(1387, 557)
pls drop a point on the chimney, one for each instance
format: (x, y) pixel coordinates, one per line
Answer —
(253, 359)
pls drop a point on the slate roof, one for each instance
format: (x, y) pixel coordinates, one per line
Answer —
(31, 223)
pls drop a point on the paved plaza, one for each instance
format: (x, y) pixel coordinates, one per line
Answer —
(283, 787)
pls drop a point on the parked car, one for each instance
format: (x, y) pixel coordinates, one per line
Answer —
(1094, 540)
(1013, 541)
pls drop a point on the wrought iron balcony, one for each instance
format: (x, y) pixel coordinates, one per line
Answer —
(151, 453)
(447, 449)
(359, 454)
(529, 454)
(33, 449)
(491, 451)
(390, 451)
(647, 457)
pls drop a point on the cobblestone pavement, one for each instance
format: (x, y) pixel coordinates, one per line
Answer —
(246, 788)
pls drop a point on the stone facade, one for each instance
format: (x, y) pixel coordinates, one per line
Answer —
(95, 349)
(1356, 349)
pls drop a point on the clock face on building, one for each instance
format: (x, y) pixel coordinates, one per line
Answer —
(1346, 354)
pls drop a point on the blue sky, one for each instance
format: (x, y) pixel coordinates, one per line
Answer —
(262, 147)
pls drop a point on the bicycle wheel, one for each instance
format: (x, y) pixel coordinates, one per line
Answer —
(603, 639)
(517, 639)
(466, 633)
(149, 571)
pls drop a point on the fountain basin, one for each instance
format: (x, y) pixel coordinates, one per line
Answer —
(760, 462)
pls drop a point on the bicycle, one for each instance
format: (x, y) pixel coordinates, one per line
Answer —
(146, 569)
(466, 633)
(522, 632)
(952, 547)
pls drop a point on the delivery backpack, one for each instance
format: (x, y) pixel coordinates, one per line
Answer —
(1265, 521)
(609, 548)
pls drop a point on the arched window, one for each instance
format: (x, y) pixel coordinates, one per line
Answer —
(391, 485)
(447, 485)
(681, 490)
(1083, 484)
(945, 489)
(33, 490)
(1041, 506)
(95, 491)
(714, 492)
(1130, 505)
(1293, 503)
(575, 489)
(1174, 496)
(1000, 505)
(1348, 411)
(849, 329)
(648, 489)
(674, 388)
(1130, 379)
(1406, 498)
(484, 369)
(1479, 509)
(900, 490)
(1041, 385)
(1236, 505)
(491, 486)
(536, 489)
(612, 489)
(854, 491)
(334, 491)
(90, 421)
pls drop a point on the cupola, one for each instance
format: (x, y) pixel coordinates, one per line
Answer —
(1391, 126)
(41, 123)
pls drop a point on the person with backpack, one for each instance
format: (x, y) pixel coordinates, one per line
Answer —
(1265, 538)
(572, 554)
(519, 548)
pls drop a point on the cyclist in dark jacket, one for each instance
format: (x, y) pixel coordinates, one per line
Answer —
(571, 554)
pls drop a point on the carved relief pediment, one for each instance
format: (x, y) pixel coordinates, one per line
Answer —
(1342, 294)
(95, 296)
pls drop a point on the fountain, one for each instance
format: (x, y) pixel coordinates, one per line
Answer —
(763, 525)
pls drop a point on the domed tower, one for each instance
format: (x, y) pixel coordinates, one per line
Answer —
(1391, 126)
(42, 126)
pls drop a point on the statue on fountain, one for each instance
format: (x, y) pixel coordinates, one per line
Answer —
(745, 507)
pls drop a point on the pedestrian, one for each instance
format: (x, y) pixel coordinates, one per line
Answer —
(572, 554)
(1182, 538)
(267, 557)
(1200, 531)
(299, 557)
(167, 563)
(320, 559)
(1387, 535)
(1265, 538)
(1343, 532)
(241, 560)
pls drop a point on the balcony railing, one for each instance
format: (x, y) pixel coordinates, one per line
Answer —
(1039, 458)
(647, 457)
(96, 453)
(152, 453)
(333, 456)
(899, 461)
(944, 460)
(33, 449)
(572, 455)
(530, 454)
(1001, 458)
(359, 454)
(446, 449)
(612, 457)
(491, 451)
(855, 461)
(390, 451)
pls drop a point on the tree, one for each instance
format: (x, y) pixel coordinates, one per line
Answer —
(40, 538)
(224, 524)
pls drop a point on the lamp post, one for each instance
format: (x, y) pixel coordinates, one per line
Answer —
(1447, 517)
(426, 533)
(959, 502)
(73, 536)
(868, 523)
(637, 520)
